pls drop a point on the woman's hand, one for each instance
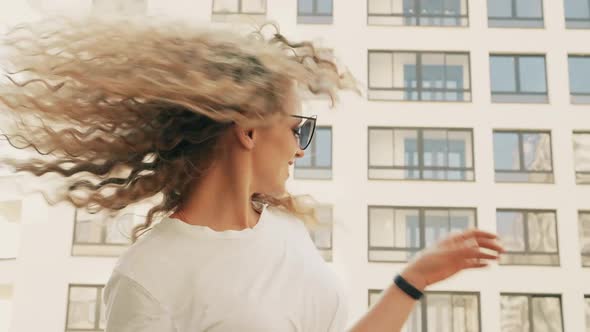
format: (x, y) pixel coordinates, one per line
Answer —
(451, 255)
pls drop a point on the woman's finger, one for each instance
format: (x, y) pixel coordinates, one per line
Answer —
(470, 235)
(483, 255)
(478, 233)
(467, 253)
(490, 244)
(474, 264)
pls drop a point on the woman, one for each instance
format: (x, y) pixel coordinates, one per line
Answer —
(208, 123)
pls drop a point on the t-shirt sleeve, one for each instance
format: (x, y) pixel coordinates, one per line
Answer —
(131, 308)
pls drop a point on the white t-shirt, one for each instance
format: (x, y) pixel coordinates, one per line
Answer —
(187, 278)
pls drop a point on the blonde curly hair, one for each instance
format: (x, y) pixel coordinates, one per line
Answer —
(119, 110)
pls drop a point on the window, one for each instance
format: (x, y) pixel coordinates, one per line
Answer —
(523, 156)
(577, 14)
(584, 230)
(398, 233)
(531, 312)
(529, 237)
(86, 309)
(582, 156)
(120, 7)
(579, 72)
(421, 154)
(316, 163)
(99, 235)
(518, 79)
(419, 76)
(445, 311)
(515, 13)
(10, 217)
(224, 9)
(322, 235)
(5, 307)
(418, 12)
(315, 11)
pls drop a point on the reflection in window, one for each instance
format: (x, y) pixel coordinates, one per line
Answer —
(120, 7)
(518, 78)
(577, 14)
(86, 310)
(322, 233)
(523, 156)
(529, 237)
(6, 294)
(10, 217)
(421, 154)
(515, 13)
(582, 157)
(520, 312)
(418, 12)
(224, 9)
(419, 76)
(314, 11)
(445, 311)
(579, 78)
(316, 163)
(100, 235)
(396, 234)
(584, 230)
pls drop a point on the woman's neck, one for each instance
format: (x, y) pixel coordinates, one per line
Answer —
(221, 201)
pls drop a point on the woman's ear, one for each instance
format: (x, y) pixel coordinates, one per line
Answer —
(245, 136)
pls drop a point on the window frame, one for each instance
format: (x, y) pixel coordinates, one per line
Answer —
(115, 7)
(587, 305)
(240, 10)
(421, 228)
(423, 303)
(19, 205)
(311, 150)
(417, 17)
(583, 173)
(577, 98)
(420, 152)
(524, 213)
(419, 77)
(576, 23)
(515, 19)
(583, 255)
(97, 314)
(522, 170)
(530, 297)
(102, 248)
(325, 252)
(499, 97)
(103, 233)
(315, 17)
(331, 208)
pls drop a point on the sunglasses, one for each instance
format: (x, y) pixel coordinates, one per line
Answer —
(305, 130)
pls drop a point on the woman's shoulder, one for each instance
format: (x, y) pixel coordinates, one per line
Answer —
(148, 254)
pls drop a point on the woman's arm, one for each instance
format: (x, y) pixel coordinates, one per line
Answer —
(455, 253)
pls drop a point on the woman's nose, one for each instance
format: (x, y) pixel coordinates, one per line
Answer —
(299, 153)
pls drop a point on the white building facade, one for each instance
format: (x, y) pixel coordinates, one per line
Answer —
(474, 113)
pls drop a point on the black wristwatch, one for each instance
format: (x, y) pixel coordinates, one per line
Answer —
(407, 288)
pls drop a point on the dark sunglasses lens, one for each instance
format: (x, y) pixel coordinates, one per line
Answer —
(306, 131)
